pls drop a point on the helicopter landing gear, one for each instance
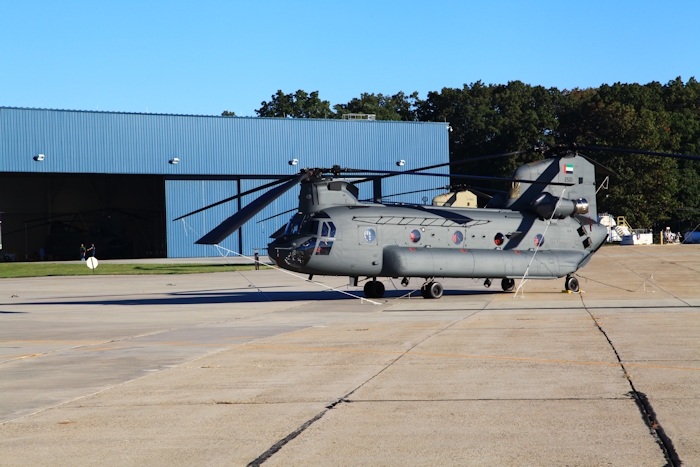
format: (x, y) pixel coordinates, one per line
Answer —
(431, 290)
(571, 284)
(487, 283)
(507, 284)
(404, 282)
(374, 289)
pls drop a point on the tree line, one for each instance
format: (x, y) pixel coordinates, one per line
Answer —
(489, 119)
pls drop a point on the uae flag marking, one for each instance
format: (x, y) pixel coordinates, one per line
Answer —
(569, 168)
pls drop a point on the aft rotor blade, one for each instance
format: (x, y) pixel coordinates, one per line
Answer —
(240, 195)
(481, 191)
(601, 168)
(466, 177)
(411, 192)
(234, 222)
(647, 153)
(473, 159)
(459, 162)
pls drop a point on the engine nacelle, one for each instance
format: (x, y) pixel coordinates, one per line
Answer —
(546, 206)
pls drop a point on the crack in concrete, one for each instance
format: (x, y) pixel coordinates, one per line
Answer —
(281, 443)
(489, 399)
(642, 402)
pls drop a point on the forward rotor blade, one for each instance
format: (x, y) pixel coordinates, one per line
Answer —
(277, 215)
(234, 222)
(240, 195)
(466, 177)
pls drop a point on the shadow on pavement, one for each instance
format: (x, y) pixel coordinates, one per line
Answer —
(249, 296)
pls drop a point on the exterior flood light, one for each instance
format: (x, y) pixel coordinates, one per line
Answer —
(174, 160)
(401, 163)
(294, 162)
(39, 157)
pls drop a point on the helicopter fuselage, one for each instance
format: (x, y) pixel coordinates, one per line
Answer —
(376, 240)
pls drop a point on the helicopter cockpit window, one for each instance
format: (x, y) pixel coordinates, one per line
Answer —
(307, 245)
(302, 225)
(328, 229)
(309, 227)
(294, 224)
(324, 247)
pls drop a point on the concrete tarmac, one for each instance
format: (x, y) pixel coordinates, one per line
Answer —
(264, 368)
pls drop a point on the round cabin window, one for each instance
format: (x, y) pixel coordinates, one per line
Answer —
(415, 236)
(539, 240)
(499, 239)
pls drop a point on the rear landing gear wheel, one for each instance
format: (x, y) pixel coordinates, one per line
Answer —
(487, 283)
(507, 284)
(571, 284)
(432, 290)
(374, 289)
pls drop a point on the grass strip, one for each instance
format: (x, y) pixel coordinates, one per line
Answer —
(10, 270)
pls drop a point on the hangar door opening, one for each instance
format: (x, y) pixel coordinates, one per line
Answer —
(123, 215)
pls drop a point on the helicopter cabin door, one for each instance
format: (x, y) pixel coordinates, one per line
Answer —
(369, 253)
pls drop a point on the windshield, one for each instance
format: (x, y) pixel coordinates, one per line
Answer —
(301, 225)
(294, 224)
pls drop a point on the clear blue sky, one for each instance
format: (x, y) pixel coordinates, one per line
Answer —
(203, 57)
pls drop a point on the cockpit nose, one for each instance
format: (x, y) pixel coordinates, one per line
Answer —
(304, 237)
(293, 253)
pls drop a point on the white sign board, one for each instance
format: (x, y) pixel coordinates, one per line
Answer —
(92, 262)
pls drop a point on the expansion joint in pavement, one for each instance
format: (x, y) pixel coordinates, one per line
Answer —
(345, 399)
(644, 406)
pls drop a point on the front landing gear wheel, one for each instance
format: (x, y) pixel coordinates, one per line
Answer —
(571, 284)
(374, 289)
(507, 284)
(431, 290)
(487, 283)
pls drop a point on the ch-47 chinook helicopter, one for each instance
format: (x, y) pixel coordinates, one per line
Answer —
(334, 233)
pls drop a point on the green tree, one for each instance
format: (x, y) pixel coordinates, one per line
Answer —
(297, 105)
(492, 119)
(627, 116)
(396, 107)
(227, 113)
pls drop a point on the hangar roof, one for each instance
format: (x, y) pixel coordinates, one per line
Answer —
(143, 143)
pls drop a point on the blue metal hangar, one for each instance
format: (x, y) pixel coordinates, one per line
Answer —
(118, 179)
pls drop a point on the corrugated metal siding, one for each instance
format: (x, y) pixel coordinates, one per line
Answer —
(121, 143)
(183, 196)
(256, 233)
(105, 142)
(186, 196)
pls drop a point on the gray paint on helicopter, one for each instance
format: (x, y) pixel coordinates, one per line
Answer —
(335, 234)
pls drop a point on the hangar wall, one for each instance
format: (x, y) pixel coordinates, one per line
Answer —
(215, 156)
